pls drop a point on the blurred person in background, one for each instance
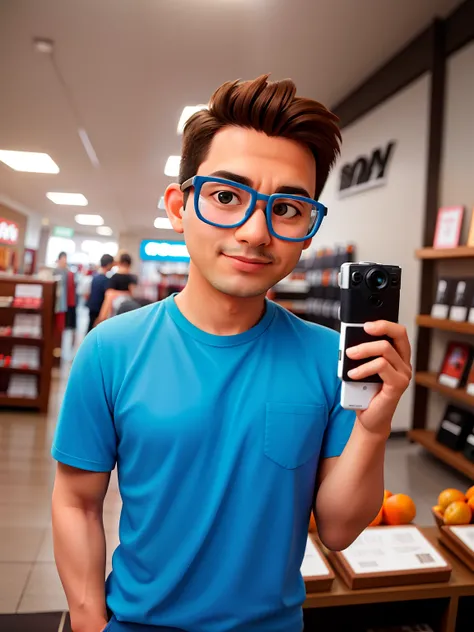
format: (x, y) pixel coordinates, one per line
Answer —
(222, 409)
(98, 287)
(123, 279)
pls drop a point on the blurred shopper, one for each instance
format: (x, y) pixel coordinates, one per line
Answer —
(123, 280)
(99, 285)
(60, 275)
(222, 409)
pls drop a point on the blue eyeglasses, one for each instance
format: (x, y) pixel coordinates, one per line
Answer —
(228, 204)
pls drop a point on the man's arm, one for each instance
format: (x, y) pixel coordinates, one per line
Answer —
(79, 544)
(350, 487)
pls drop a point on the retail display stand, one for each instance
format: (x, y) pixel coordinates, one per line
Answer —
(390, 556)
(436, 263)
(317, 574)
(26, 341)
(460, 540)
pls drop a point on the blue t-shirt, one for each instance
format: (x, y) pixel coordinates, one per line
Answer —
(217, 441)
(99, 285)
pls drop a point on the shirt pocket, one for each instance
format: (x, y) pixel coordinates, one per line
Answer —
(293, 433)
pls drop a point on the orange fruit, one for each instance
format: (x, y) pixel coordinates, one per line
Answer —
(386, 495)
(312, 524)
(457, 512)
(438, 509)
(449, 496)
(378, 519)
(399, 509)
(470, 503)
(470, 493)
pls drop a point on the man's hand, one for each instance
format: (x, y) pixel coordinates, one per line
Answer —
(392, 363)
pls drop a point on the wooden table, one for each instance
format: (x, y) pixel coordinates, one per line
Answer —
(440, 598)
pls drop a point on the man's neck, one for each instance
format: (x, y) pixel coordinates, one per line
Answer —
(217, 313)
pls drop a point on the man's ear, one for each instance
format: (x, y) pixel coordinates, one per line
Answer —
(174, 206)
(307, 243)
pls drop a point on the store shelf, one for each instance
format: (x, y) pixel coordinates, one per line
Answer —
(22, 310)
(12, 369)
(445, 253)
(423, 320)
(23, 340)
(19, 402)
(427, 439)
(430, 380)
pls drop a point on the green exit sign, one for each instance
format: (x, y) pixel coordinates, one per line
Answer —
(63, 231)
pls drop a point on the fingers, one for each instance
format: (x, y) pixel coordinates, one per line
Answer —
(396, 332)
(390, 376)
(378, 348)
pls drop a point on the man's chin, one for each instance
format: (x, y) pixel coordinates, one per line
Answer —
(240, 290)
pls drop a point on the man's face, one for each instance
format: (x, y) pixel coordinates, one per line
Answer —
(62, 262)
(247, 261)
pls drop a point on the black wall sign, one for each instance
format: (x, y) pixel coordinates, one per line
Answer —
(366, 172)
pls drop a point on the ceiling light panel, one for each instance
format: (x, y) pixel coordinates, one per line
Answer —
(105, 231)
(89, 220)
(67, 199)
(186, 114)
(29, 161)
(172, 166)
(163, 222)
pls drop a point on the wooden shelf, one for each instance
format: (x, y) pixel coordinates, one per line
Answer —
(19, 402)
(445, 253)
(430, 380)
(427, 438)
(25, 310)
(424, 320)
(23, 340)
(14, 369)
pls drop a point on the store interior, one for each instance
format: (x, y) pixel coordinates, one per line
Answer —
(90, 136)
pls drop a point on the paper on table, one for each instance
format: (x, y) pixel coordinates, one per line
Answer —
(388, 549)
(313, 564)
(466, 534)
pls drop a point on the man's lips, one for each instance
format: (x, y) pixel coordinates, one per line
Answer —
(247, 264)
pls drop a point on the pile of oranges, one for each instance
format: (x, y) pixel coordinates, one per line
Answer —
(455, 507)
(396, 509)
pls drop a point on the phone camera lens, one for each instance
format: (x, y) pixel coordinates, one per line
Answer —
(375, 301)
(356, 278)
(377, 279)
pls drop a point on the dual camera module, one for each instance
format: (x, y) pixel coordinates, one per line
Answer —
(376, 279)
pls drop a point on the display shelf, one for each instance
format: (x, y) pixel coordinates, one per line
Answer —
(46, 311)
(14, 369)
(445, 253)
(430, 380)
(424, 320)
(427, 439)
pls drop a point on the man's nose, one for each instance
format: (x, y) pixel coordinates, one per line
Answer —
(255, 230)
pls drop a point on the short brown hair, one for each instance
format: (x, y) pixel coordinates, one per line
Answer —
(269, 107)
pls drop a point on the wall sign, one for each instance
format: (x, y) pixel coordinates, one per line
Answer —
(366, 172)
(9, 232)
(157, 250)
(63, 231)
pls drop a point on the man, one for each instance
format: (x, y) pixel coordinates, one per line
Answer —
(220, 408)
(123, 279)
(99, 285)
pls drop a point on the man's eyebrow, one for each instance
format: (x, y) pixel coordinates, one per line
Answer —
(235, 177)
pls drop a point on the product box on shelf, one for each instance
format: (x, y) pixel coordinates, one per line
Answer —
(444, 297)
(6, 301)
(28, 296)
(23, 386)
(470, 380)
(468, 449)
(463, 296)
(27, 326)
(456, 365)
(457, 424)
(25, 357)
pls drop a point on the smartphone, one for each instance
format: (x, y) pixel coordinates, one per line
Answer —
(369, 291)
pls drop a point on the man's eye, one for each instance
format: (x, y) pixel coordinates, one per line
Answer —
(226, 197)
(282, 209)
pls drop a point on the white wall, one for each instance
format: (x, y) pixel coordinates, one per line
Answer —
(385, 223)
(456, 187)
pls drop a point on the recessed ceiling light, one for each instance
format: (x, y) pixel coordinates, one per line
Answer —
(172, 166)
(105, 231)
(67, 199)
(89, 220)
(163, 222)
(30, 161)
(186, 114)
(161, 203)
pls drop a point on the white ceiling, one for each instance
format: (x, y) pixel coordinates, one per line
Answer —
(130, 66)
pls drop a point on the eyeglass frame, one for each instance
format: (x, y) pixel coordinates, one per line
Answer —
(255, 196)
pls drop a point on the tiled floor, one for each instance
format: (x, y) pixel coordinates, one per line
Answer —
(28, 578)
